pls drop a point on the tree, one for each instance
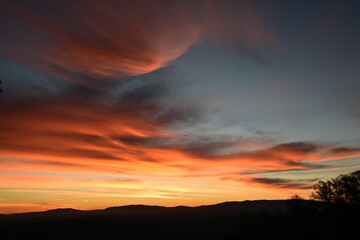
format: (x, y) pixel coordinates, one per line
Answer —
(296, 197)
(344, 189)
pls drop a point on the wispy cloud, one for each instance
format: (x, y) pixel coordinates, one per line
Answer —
(89, 42)
(279, 183)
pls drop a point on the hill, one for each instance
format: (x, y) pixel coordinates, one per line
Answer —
(295, 219)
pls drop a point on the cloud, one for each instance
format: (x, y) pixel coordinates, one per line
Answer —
(109, 132)
(209, 147)
(71, 127)
(294, 154)
(341, 151)
(86, 129)
(246, 150)
(113, 139)
(112, 39)
(280, 183)
(90, 42)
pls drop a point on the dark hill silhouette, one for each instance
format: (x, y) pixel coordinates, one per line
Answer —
(261, 219)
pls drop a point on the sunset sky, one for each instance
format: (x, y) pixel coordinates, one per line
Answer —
(172, 102)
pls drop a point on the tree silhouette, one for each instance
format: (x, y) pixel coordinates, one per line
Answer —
(296, 197)
(344, 189)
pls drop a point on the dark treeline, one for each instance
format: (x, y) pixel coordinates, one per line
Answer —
(277, 219)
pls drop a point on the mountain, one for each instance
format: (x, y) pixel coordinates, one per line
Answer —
(295, 219)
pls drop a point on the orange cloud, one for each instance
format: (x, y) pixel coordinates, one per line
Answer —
(90, 41)
(107, 137)
(66, 135)
(112, 39)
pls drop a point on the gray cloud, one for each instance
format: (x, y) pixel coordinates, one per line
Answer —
(285, 183)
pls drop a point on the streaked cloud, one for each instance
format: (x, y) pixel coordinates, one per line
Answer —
(79, 134)
(279, 183)
(91, 42)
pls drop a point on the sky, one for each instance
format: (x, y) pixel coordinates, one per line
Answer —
(108, 103)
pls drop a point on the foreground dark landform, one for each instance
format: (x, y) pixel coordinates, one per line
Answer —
(260, 219)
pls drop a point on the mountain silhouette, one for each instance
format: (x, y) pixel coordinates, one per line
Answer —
(260, 219)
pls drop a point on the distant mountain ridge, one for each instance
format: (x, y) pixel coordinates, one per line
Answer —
(247, 205)
(258, 219)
